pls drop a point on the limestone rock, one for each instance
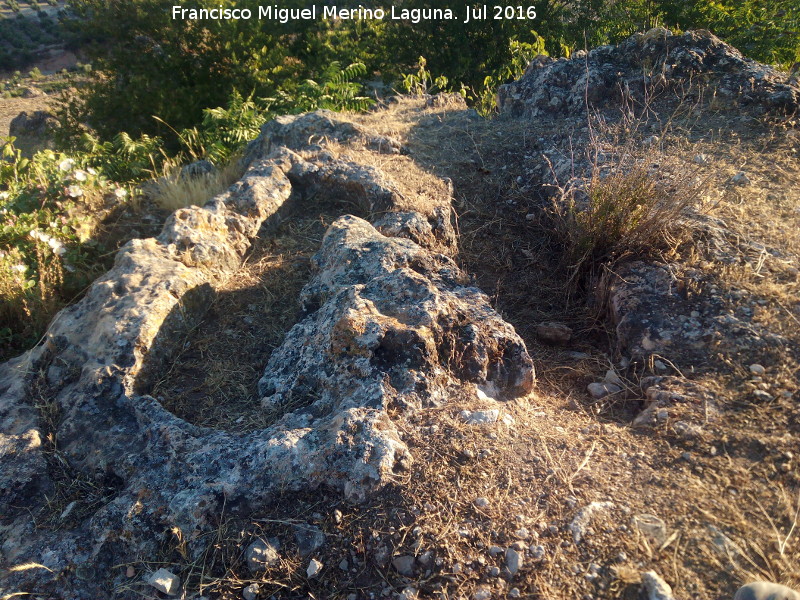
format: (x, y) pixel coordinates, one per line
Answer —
(404, 565)
(757, 370)
(385, 319)
(313, 569)
(657, 588)
(262, 554)
(298, 132)
(389, 325)
(554, 333)
(600, 390)
(480, 417)
(251, 591)
(165, 581)
(605, 75)
(765, 590)
(514, 561)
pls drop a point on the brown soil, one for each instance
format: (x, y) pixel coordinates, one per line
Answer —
(728, 497)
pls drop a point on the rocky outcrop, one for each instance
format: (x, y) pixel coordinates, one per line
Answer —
(33, 131)
(639, 69)
(390, 325)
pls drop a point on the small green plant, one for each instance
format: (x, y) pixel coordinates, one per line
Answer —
(422, 82)
(35, 74)
(225, 131)
(484, 99)
(336, 89)
(123, 158)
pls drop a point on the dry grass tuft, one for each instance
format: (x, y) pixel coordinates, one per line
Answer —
(632, 205)
(173, 191)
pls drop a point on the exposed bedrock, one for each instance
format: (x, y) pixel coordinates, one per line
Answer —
(641, 67)
(389, 323)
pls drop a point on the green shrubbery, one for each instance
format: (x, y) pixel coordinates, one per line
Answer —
(47, 250)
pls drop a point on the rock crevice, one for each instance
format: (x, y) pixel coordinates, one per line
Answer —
(389, 324)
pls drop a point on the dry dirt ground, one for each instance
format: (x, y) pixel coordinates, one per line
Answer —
(11, 107)
(708, 510)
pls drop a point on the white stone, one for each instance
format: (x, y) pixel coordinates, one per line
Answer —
(314, 567)
(765, 590)
(480, 417)
(601, 390)
(757, 369)
(657, 588)
(580, 523)
(513, 561)
(250, 592)
(165, 581)
(261, 554)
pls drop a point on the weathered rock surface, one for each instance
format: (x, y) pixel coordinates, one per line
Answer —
(34, 131)
(657, 588)
(644, 300)
(389, 323)
(765, 590)
(642, 65)
(262, 554)
(299, 132)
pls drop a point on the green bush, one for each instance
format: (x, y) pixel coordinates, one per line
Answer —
(48, 213)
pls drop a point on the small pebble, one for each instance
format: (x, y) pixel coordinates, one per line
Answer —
(522, 533)
(314, 567)
(408, 593)
(537, 552)
(757, 369)
(762, 396)
(250, 592)
(601, 390)
(740, 178)
(481, 502)
(404, 565)
(165, 581)
(513, 561)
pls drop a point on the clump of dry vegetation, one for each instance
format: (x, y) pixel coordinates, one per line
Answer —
(174, 190)
(631, 205)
